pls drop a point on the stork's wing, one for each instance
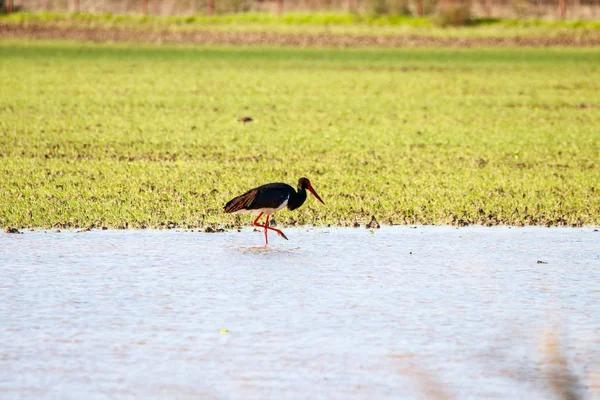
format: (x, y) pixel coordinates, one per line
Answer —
(242, 202)
(269, 196)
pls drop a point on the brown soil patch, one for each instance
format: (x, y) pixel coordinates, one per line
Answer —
(47, 31)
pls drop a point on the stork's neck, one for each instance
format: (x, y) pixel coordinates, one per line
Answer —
(296, 199)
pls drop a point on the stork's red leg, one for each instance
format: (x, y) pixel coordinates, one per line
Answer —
(276, 230)
(266, 226)
(256, 220)
(266, 229)
(255, 223)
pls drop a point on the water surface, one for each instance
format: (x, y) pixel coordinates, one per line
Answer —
(331, 313)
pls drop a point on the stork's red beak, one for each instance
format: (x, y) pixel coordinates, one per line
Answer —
(310, 188)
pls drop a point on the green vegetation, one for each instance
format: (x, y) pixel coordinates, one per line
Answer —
(146, 136)
(330, 23)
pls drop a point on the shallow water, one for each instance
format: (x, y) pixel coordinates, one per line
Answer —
(332, 313)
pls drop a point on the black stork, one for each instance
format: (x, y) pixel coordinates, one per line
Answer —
(268, 199)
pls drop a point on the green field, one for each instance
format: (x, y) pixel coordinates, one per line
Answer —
(146, 136)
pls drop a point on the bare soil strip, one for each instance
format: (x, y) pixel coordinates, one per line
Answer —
(44, 31)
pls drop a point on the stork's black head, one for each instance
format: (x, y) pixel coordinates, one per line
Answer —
(304, 184)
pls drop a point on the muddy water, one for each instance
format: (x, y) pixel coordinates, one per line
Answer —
(332, 313)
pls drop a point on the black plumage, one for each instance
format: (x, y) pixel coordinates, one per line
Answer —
(269, 196)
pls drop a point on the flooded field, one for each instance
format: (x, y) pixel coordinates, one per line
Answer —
(424, 312)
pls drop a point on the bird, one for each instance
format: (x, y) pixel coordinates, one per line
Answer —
(245, 120)
(268, 199)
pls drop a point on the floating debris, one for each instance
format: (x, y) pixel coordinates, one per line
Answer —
(245, 120)
(10, 229)
(373, 224)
